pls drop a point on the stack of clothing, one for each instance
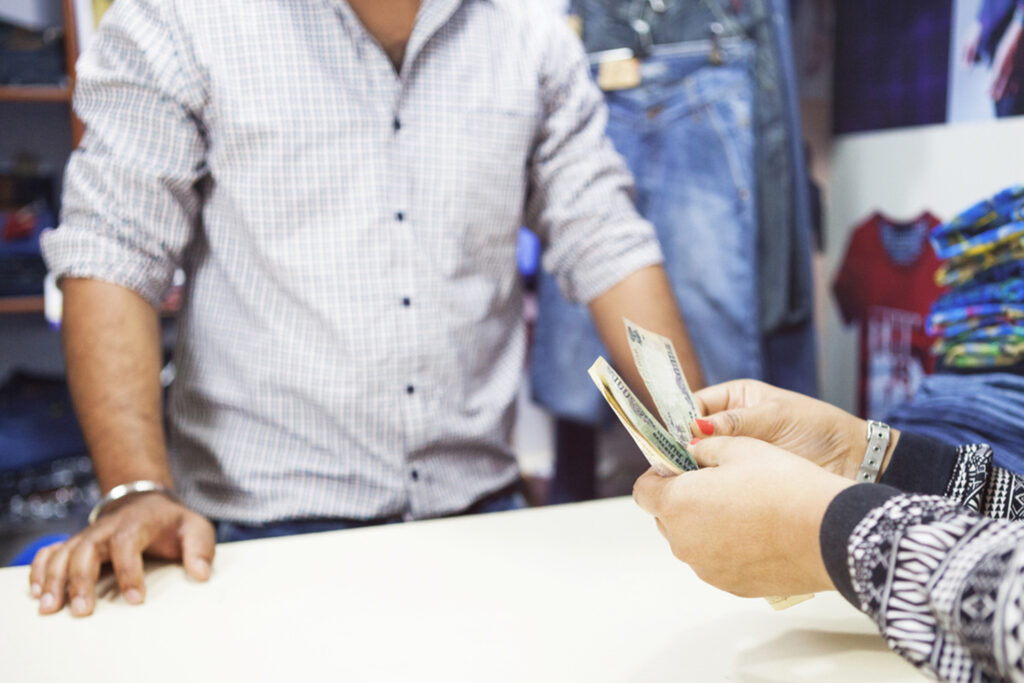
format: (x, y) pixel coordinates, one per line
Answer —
(979, 324)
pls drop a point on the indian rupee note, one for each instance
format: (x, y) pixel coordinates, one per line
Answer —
(633, 414)
(659, 366)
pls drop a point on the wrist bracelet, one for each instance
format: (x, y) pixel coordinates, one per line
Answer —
(122, 490)
(878, 443)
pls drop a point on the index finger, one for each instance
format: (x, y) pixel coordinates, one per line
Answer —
(719, 397)
(38, 571)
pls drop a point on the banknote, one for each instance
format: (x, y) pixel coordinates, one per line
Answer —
(666, 455)
(659, 366)
(780, 602)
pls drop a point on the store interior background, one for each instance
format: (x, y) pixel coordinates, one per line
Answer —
(942, 166)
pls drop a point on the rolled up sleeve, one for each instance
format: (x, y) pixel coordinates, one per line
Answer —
(131, 204)
(581, 194)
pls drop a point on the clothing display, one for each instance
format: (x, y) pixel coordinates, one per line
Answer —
(986, 407)
(978, 324)
(26, 199)
(891, 63)
(935, 559)
(727, 253)
(30, 57)
(706, 224)
(886, 284)
(351, 338)
(45, 472)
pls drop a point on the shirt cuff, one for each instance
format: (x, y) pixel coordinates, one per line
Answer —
(76, 253)
(844, 513)
(920, 465)
(596, 272)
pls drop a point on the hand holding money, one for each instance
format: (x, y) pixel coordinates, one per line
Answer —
(666, 449)
(747, 521)
(827, 436)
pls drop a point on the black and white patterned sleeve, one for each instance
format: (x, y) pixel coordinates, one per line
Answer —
(941, 575)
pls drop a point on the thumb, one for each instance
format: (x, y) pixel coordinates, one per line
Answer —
(649, 491)
(756, 422)
(717, 451)
(197, 547)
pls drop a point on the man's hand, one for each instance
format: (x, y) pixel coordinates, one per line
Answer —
(812, 429)
(1005, 63)
(748, 523)
(147, 523)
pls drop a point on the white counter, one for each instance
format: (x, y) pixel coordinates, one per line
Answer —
(586, 592)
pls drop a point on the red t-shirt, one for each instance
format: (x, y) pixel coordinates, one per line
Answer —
(887, 284)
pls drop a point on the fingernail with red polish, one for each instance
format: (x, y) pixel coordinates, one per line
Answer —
(694, 441)
(706, 426)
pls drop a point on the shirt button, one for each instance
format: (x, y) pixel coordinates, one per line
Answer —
(396, 124)
(409, 389)
(399, 216)
(407, 301)
(415, 475)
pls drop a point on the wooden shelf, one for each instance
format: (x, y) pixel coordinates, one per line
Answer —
(21, 304)
(35, 93)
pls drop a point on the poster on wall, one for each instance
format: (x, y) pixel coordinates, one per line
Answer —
(986, 64)
(926, 62)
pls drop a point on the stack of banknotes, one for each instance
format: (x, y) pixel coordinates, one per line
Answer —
(666, 447)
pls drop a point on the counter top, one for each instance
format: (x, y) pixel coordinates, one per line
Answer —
(583, 592)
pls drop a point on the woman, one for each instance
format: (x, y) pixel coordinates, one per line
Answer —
(933, 552)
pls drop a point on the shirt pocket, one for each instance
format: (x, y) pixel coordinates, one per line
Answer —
(492, 152)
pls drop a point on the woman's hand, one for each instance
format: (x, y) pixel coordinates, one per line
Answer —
(817, 431)
(748, 522)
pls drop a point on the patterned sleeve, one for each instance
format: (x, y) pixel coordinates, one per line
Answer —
(942, 576)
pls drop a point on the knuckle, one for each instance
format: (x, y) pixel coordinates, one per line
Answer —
(733, 421)
(124, 537)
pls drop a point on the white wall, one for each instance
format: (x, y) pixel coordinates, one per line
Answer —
(942, 169)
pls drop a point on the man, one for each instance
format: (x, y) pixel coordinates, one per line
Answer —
(343, 183)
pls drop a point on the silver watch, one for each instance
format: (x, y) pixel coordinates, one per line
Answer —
(878, 443)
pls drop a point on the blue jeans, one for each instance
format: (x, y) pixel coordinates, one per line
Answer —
(977, 408)
(229, 532)
(687, 135)
(783, 200)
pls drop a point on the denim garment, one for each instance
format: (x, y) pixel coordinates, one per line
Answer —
(686, 134)
(783, 209)
(787, 286)
(977, 408)
(229, 532)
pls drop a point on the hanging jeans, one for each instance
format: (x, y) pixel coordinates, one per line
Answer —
(980, 408)
(687, 135)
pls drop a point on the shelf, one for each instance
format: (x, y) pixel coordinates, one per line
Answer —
(21, 304)
(35, 93)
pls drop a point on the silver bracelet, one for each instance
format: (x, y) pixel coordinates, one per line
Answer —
(122, 490)
(878, 443)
